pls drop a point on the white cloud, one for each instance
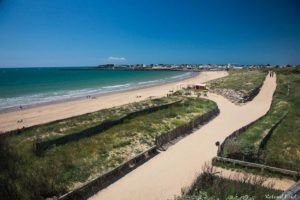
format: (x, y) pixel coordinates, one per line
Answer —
(111, 58)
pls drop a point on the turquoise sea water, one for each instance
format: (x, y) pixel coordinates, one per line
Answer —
(34, 86)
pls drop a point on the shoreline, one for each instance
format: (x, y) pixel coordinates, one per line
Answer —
(52, 112)
(35, 105)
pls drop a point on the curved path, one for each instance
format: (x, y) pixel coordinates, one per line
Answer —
(163, 176)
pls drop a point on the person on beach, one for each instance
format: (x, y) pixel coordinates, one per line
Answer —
(21, 108)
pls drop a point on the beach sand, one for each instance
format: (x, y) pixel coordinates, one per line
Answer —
(166, 174)
(52, 112)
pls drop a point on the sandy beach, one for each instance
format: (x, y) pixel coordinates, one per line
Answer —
(166, 174)
(52, 112)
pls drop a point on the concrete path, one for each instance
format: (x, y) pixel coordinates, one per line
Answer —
(166, 174)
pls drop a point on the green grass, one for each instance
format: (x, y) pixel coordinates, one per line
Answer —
(76, 124)
(284, 144)
(28, 176)
(241, 81)
(283, 147)
(257, 132)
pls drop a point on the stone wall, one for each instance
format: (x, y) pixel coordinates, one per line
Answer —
(236, 97)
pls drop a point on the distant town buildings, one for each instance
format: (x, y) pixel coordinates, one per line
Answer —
(191, 67)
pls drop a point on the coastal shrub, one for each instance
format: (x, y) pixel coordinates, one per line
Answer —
(20, 178)
(239, 149)
(178, 93)
(211, 185)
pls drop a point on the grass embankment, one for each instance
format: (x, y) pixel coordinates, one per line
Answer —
(210, 186)
(76, 124)
(284, 144)
(283, 147)
(24, 175)
(238, 84)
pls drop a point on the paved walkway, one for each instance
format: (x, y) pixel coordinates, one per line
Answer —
(163, 176)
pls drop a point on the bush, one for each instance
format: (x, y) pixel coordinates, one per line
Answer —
(210, 186)
(178, 93)
(239, 149)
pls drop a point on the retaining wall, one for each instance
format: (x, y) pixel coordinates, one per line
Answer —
(237, 97)
(250, 96)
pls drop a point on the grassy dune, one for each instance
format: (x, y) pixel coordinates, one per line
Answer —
(257, 132)
(241, 81)
(75, 124)
(283, 147)
(284, 144)
(24, 175)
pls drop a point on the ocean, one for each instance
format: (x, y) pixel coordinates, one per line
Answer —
(30, 87)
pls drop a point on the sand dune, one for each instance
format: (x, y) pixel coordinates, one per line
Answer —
(163, 176)
(279, 184)
(48, 113)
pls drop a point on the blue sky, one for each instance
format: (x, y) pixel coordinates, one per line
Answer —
(86, 32)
